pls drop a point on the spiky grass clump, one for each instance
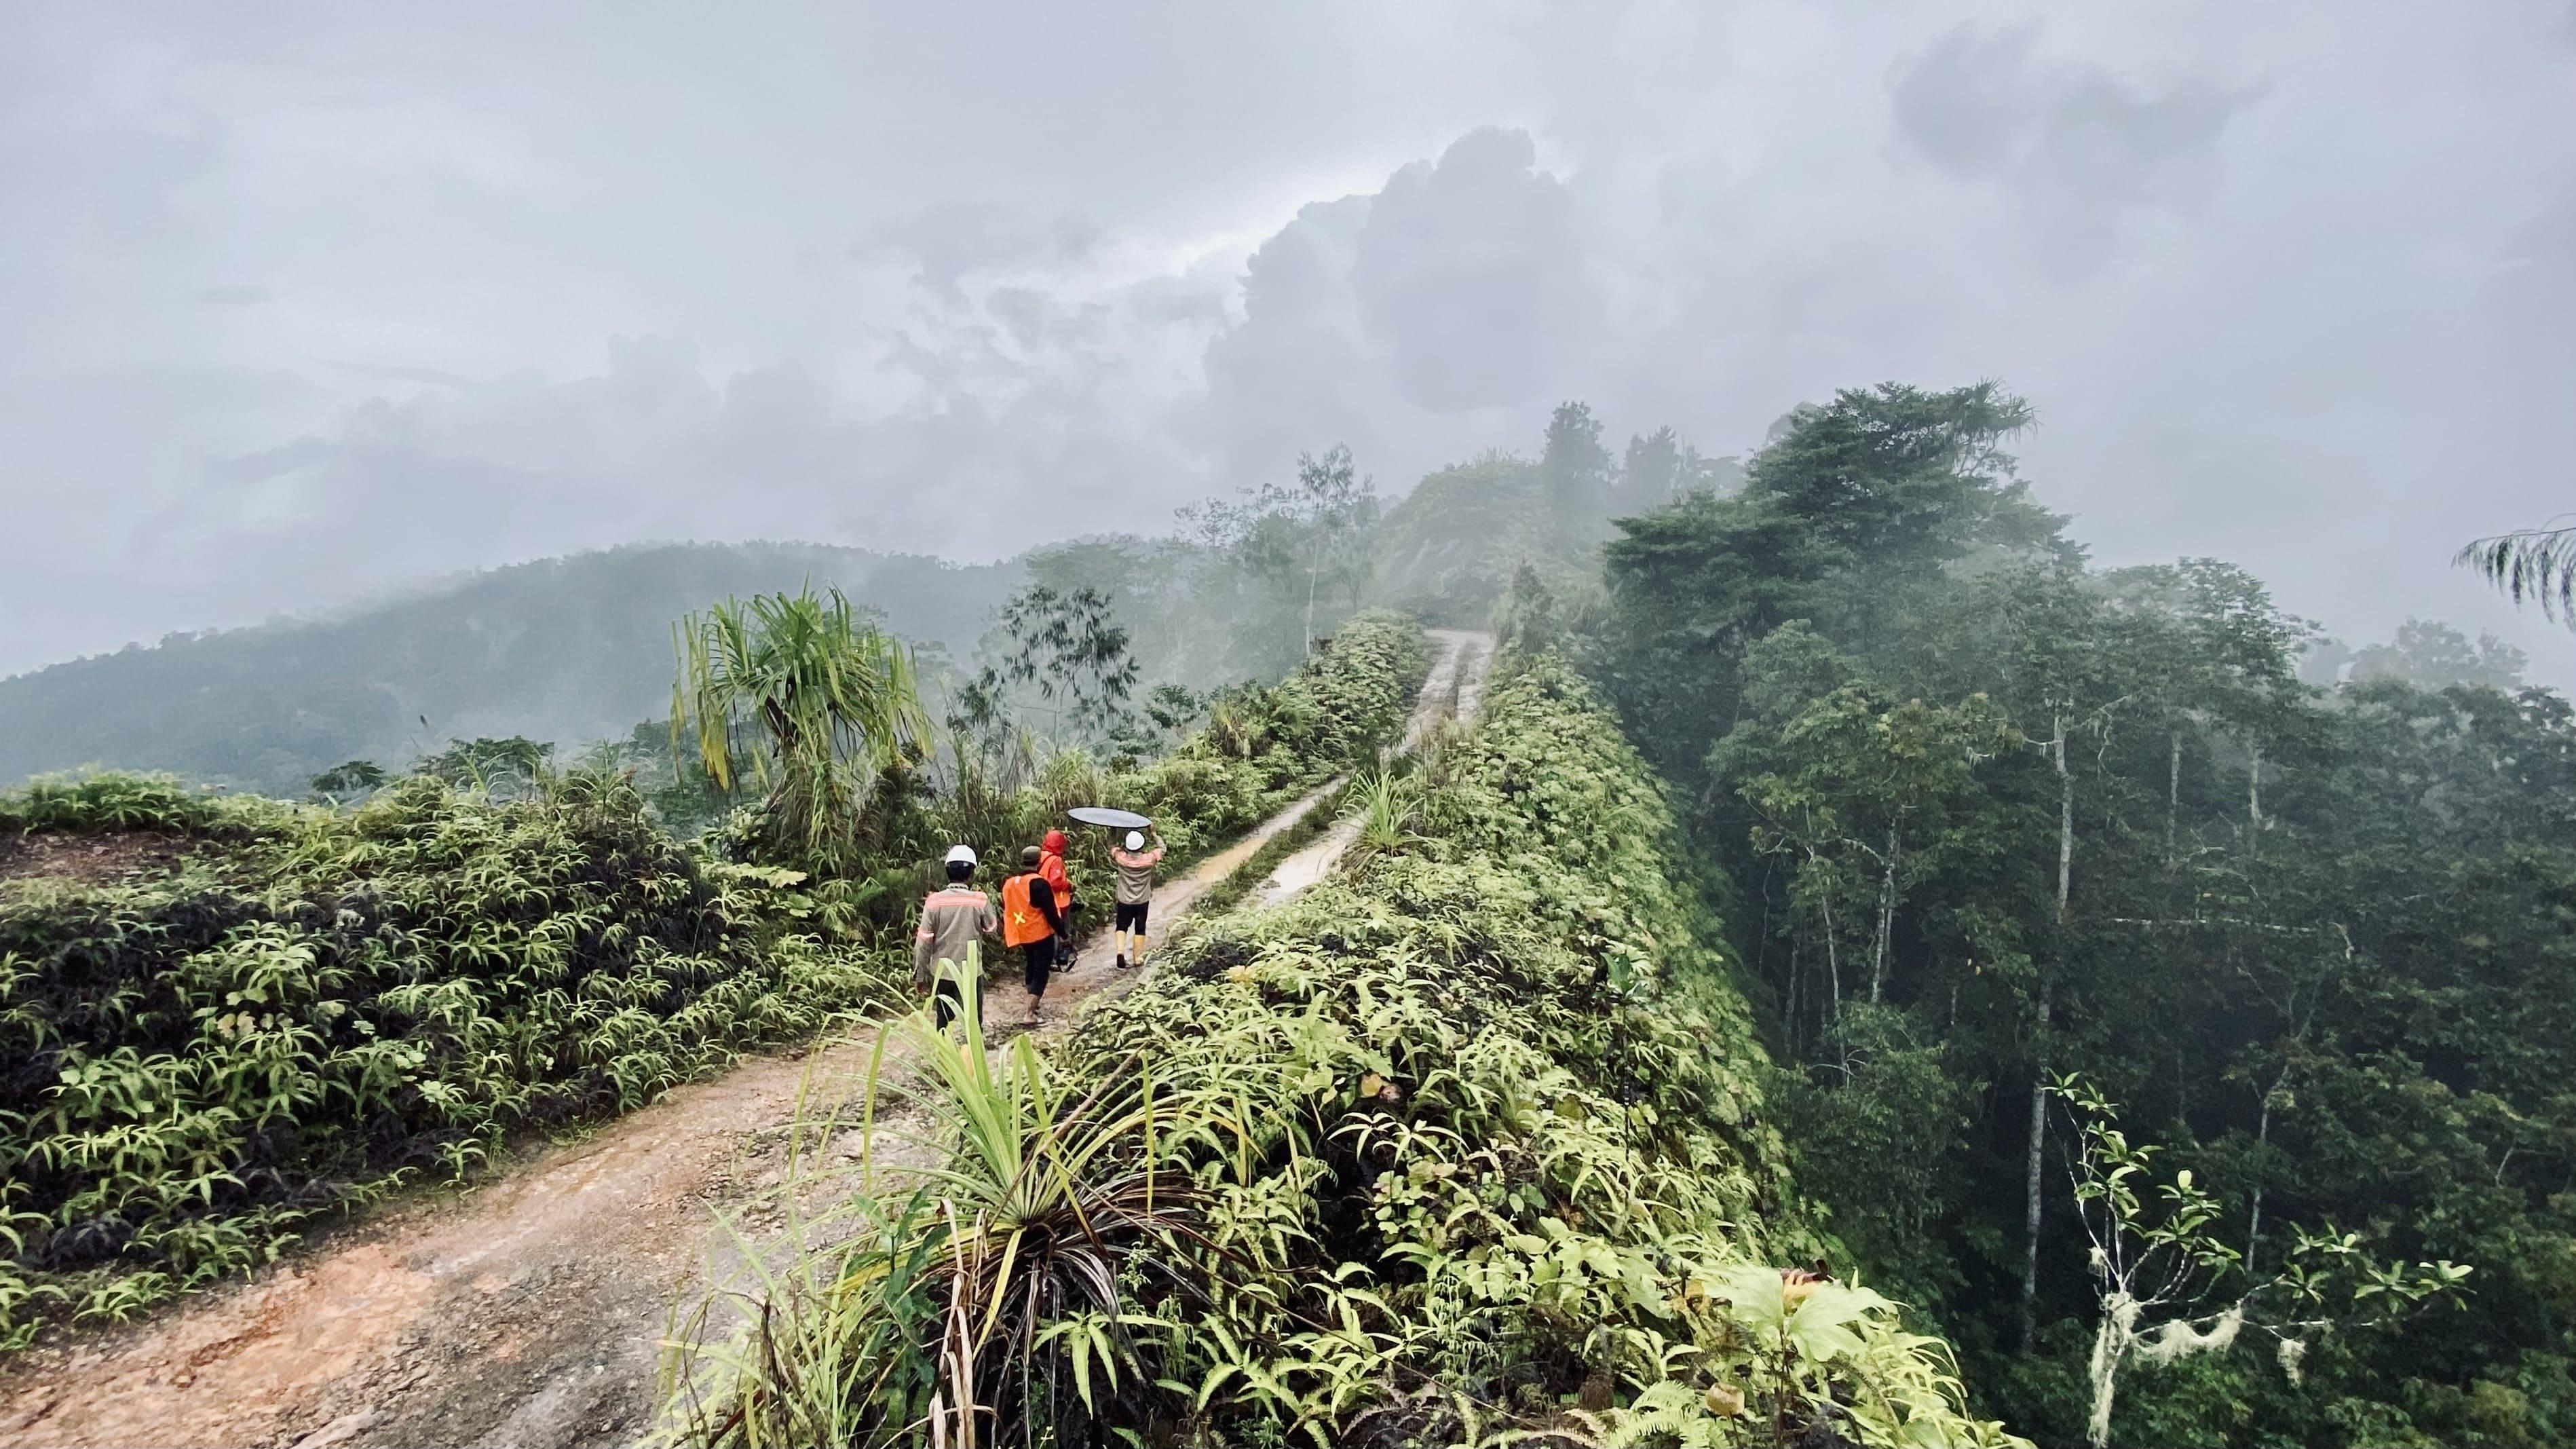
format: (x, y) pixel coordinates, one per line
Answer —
(974, 1272)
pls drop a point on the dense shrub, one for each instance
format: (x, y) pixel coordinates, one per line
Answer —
(81, 804)
(193, 1065)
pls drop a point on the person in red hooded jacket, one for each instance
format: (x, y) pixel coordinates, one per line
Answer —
(1051, 865)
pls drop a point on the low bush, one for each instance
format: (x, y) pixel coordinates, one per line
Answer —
(88, 804)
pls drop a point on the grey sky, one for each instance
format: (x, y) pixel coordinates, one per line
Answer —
(306, 302)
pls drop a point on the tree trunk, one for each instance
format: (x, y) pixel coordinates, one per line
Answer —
(2173, 796)
(2039, 1082)
(1886, 921)
(1313, 571)
(2065, 817)
(1789, 1017)
(1833, 959)
(2254, 803)
(2030, 1192)
(2262, 1140)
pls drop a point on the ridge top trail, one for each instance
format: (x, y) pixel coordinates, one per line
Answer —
(530, 1309)
(1455, 687)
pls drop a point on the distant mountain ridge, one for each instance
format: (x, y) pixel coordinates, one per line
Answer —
(566, 649)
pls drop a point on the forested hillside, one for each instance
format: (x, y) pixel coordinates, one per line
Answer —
(565, 650)
(1448, 550)
(2190, 1043)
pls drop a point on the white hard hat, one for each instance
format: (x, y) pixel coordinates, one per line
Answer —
(961, 853)
(1135, 840)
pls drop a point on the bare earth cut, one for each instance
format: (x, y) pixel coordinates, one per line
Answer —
(531, 1310)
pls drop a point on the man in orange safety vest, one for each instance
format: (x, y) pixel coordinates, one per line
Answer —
(1032, 921)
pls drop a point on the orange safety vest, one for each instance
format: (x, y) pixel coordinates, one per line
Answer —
(1022, 923)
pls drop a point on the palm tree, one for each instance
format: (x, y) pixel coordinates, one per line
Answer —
(2538, 564)
(806, 696)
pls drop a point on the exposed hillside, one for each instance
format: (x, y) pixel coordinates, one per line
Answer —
(566, 649)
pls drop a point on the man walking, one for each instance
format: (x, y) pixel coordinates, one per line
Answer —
(953, 920)
(1135, 891)
(1032, 922)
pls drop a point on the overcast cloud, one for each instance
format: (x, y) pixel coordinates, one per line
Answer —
(306, 302)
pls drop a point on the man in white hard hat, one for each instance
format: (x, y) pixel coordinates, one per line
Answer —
(1135, 891)
(953, 920)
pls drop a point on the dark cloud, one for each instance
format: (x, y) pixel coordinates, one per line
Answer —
(1471, 272)
(1298, 368)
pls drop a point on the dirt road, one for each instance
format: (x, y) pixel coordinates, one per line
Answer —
(1455, 688)
(529, 1311)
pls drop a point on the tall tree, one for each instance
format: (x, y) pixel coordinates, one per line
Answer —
(1576, 469)
(1308, 534)
(1069, 646)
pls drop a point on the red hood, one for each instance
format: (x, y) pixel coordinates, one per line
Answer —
(1054, 842)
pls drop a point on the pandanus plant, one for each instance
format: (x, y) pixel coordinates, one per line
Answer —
(803, 695)
(975, 1299)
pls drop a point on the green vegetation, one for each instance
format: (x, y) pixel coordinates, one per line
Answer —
(810, 703)
(2167, 1004)
(315, 1006)
(940, 1303)
(1990, 817)
(1261, 748)
(1472, 1141)
(568, 652)
(1449, 549)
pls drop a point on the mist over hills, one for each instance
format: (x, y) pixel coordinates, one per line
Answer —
(566, 649)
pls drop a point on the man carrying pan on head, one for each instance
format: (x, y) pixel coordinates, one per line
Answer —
(1135, 866)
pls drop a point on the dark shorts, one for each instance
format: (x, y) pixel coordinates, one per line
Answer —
(1131, 917)
(1037, 962)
